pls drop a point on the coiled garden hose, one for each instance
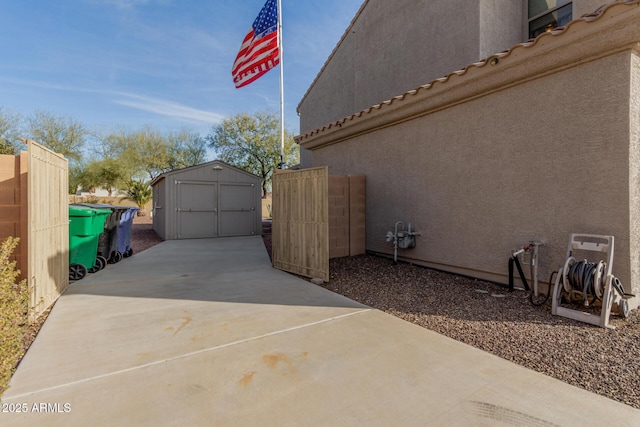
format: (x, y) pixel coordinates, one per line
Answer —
(586, 278)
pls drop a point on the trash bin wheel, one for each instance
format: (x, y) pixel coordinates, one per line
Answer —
(77, 271)
(128, 253)
(102, 260)
(100, 264)
(115, 257)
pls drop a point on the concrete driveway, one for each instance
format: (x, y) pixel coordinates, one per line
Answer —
(206, 333)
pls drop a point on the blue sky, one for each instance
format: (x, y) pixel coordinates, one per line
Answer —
(163, 63)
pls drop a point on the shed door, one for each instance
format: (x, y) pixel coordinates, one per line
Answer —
(197, 209)
(237, 209)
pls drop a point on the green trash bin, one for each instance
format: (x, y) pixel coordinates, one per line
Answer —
(109, 238)
(85, 226)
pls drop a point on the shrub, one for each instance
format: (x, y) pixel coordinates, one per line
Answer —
(140, 192)
(14, 311)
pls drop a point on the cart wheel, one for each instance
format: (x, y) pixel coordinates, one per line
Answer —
(100, 263)
(128, 253)
(77, 271)
(623, 309)
(115, 258)
(102, 260)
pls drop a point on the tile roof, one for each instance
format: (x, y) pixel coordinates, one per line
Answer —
(601, 12)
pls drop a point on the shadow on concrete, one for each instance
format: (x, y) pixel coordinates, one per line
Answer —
(234, 269)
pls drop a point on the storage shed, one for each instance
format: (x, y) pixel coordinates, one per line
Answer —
(213, 199)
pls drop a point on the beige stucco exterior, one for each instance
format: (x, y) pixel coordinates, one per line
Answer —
(393, 47)
(542, 144)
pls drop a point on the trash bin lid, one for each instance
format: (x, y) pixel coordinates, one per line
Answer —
(104, 206)
(95, 205)
(75, 210)
(103, 211)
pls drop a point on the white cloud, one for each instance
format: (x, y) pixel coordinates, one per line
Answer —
(126, 4)
(168, 108)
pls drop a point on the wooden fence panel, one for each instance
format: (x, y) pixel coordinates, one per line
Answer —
(338, 216)
(48, 227)
(357, 214)
(300, 234)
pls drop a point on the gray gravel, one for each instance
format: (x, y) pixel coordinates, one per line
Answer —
(487, 316)
(142, 234)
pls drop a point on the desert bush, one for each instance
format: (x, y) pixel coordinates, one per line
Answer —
(139, 192)
(14, 310)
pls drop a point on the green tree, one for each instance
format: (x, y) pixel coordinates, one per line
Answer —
(252, 143)
(186, 148)
(109, 143)
(9, 131)
(146, 153)
(129, 158)
(58, 133)
(76, 177)
(150, 150)
(107, 173)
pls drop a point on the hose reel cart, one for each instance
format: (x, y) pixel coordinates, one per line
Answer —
(583, 282)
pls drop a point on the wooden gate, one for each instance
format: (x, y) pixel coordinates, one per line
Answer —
(48, 227)
(300, 239)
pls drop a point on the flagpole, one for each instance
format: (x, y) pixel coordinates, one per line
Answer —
(281, 85)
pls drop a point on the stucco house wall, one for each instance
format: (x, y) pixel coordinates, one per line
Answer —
(500, 27)
(541, 144)
(393, 47)
(634, 168)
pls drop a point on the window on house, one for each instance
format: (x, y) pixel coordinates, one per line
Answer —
(545, 15)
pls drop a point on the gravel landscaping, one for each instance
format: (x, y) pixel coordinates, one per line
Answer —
(142, 234)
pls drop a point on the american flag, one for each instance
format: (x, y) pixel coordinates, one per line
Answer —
(259, 51)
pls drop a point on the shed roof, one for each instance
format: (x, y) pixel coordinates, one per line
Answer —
(202, 165)
(516, 53)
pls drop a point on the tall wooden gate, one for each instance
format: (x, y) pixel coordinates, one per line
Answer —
(300, 239)
(48, 227)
